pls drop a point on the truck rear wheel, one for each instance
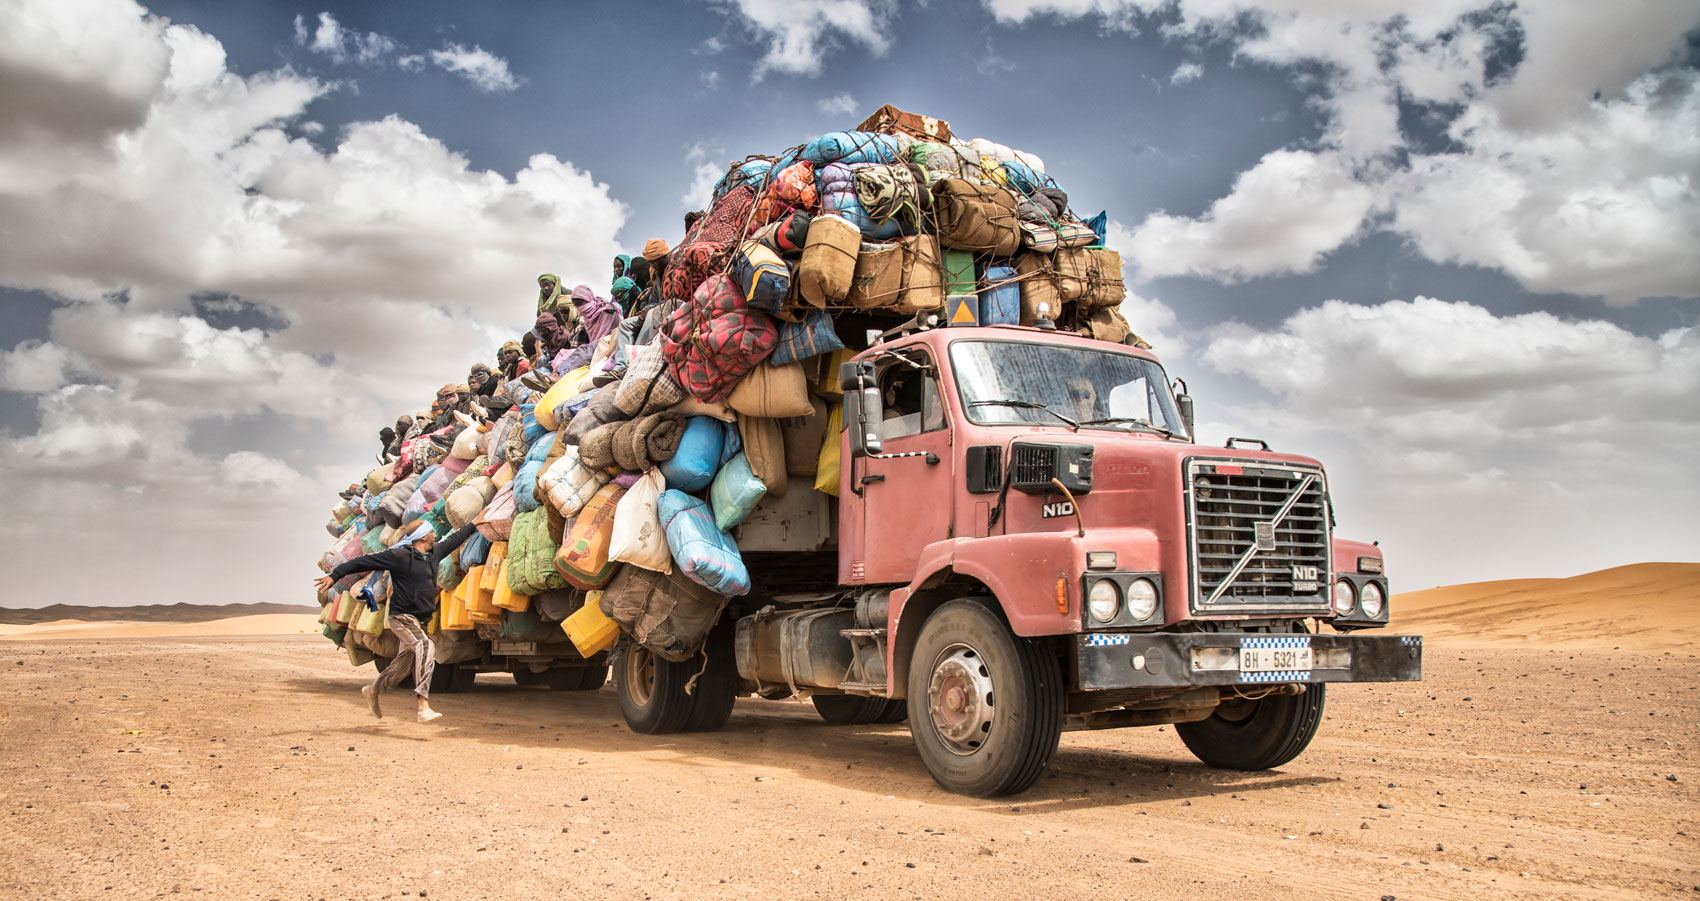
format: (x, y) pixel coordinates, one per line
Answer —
(856, 710)
(446, 678)
(716, 689)
(578, 678)
(1256, 735)
(652, 691)
(985, 707)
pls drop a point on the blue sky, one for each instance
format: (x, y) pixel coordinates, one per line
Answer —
(1445, 247)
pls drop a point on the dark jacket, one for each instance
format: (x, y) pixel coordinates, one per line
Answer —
(413, 576)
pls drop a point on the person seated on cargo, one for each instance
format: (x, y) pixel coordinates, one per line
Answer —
(647, 291)
(600, 317)
(412, 565)
(548, 292)
(625, 294)
(510, 360)
(655, 253)
(386, 440)
(552, 339)
(622, 266)
(482, 380)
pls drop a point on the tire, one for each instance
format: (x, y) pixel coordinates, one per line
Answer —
(1001, 698)
(578, 678)
(1256, 735)
(443, 678)
(855, 710)
(591, 678)
(462, 679)
(716, 691)
(652, 691)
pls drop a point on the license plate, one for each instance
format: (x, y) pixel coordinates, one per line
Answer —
(1261, 656)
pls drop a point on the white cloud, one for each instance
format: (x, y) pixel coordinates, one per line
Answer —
(340, 45)
(711, 79)
(800, 32)
(410, 62)
(180, 178)
(1470, 441)
(1574, 173)
(1186, 72)
(1283, 215)
(841, 104)
(487, 72)
(701, 192)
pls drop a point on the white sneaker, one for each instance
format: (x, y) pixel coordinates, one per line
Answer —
(371, 695)
(427, 715)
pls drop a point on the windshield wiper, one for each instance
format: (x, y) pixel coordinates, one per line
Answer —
(1027, 405)
(1145, 424)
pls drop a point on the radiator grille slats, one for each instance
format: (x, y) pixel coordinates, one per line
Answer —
(1230, 505)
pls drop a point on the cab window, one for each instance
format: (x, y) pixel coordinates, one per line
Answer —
(911, 397)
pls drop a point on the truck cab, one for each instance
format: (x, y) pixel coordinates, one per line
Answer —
(1027, 540)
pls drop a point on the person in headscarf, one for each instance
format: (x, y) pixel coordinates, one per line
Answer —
(548, 292)
(386, 438)
(511, 361)
(622, 265)
(552, 338)
(600, 317)
(482, 380)
(625, 294)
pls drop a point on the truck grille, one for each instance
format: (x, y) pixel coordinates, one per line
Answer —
(1232, 511)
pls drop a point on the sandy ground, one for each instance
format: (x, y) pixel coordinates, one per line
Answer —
(243, 767)
(263, 624)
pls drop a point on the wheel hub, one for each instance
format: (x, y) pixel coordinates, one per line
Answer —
(959, 699)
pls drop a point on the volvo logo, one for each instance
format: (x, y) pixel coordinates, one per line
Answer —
(1264, 533)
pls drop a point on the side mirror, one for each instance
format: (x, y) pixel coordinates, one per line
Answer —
(864, 412)
(1183, 400)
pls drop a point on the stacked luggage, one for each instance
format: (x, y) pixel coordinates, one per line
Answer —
(607, 498)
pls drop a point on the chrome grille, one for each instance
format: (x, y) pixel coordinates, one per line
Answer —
(1247, 554)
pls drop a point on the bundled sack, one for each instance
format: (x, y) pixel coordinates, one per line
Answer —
(665, 612)
(829, 463)
(762, 276)
(879, 277)
(804, 339)
(772, 391)
(787, 235)
(633, 446)
(1046, 237)
(889, 192)
(467, 440)
(1108, 324)
(708, 247)
(995, 154)
(531, 555)
(583, 558)
(525, 481)
(468, 500)
(602, 409)
(712, 341)
(569, 484)
(937, 161)
(851, 147)
(1104, 286)
(496, 520)
(648, 386)
(838, 196)
(889, 119)
(703, 553)
(753, 171)
(792, 189)
(802, 437)
(764, 447)
(697, 458)
(735, 492)
(829, 260)
(976, 216)
(923, 277)
(638, 538)
(378, 479)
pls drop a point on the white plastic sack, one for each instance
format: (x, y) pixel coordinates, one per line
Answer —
(569, 484)
(467, 501)
(639, 538)
(467, 444)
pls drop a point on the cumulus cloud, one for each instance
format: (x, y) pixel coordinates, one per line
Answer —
(1283, 215)
(1573, 132)
(838, 104)
(1186, 72)
(487, 72)
(181, 180)
(340, 45)
(798, 33)
(1442, 406)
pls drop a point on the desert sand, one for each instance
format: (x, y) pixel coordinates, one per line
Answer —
(261, 624)
(233, 766)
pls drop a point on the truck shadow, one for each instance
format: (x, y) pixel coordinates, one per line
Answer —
(786, 739)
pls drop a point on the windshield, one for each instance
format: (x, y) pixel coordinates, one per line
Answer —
(1022, 383)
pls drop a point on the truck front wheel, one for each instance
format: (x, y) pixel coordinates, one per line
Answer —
(1256, 735)
(985, 707)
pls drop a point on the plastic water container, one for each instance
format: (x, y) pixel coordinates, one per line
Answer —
(590, 630)
(1000, 305)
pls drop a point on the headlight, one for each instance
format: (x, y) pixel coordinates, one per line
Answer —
(1344, 598)
(1103, 600)
(1372, 600)
(1141, 599)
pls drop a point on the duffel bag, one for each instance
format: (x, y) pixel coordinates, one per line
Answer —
(772, 391)
(665, 612)
(976, 216)
(762, 276)
(717, 338)
(805, 339)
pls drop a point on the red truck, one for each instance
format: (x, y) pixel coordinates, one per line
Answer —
(1026, 541)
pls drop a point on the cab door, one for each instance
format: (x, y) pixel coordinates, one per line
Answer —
(906, 498)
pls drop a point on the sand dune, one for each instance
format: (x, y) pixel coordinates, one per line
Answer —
(1644, 606)
(262, 624)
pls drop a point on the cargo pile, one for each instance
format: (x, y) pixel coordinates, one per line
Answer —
(608, 458)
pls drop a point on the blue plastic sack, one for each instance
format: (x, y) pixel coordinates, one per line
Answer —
(1100, 225)
(735, 492)
(1024, 179)
(693, 465)
(811, 337)
(474, 551)
(704, 553)
(525, 481)
(732, 443)
(851, 147)
(1000, 305)
(750, 172)
(370, 504)
(531, 429)
(846, 204)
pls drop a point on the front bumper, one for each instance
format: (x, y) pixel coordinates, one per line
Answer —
(1190, 659)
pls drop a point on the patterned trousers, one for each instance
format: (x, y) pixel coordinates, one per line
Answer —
(417, 657)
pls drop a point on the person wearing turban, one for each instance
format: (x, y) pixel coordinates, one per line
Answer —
(600, 318)
(625, 294)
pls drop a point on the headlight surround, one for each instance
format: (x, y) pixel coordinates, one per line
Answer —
(1103, 600)
(1345, 596)
(1141, 599)
(1372, 600)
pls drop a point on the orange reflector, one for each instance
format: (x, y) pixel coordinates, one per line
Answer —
(1062, 595)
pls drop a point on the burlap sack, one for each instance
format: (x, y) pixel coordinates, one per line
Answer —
(975, 216)
(772, 391)
(764, 445)
(923, 276)
(879, 276)
(829, 260)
